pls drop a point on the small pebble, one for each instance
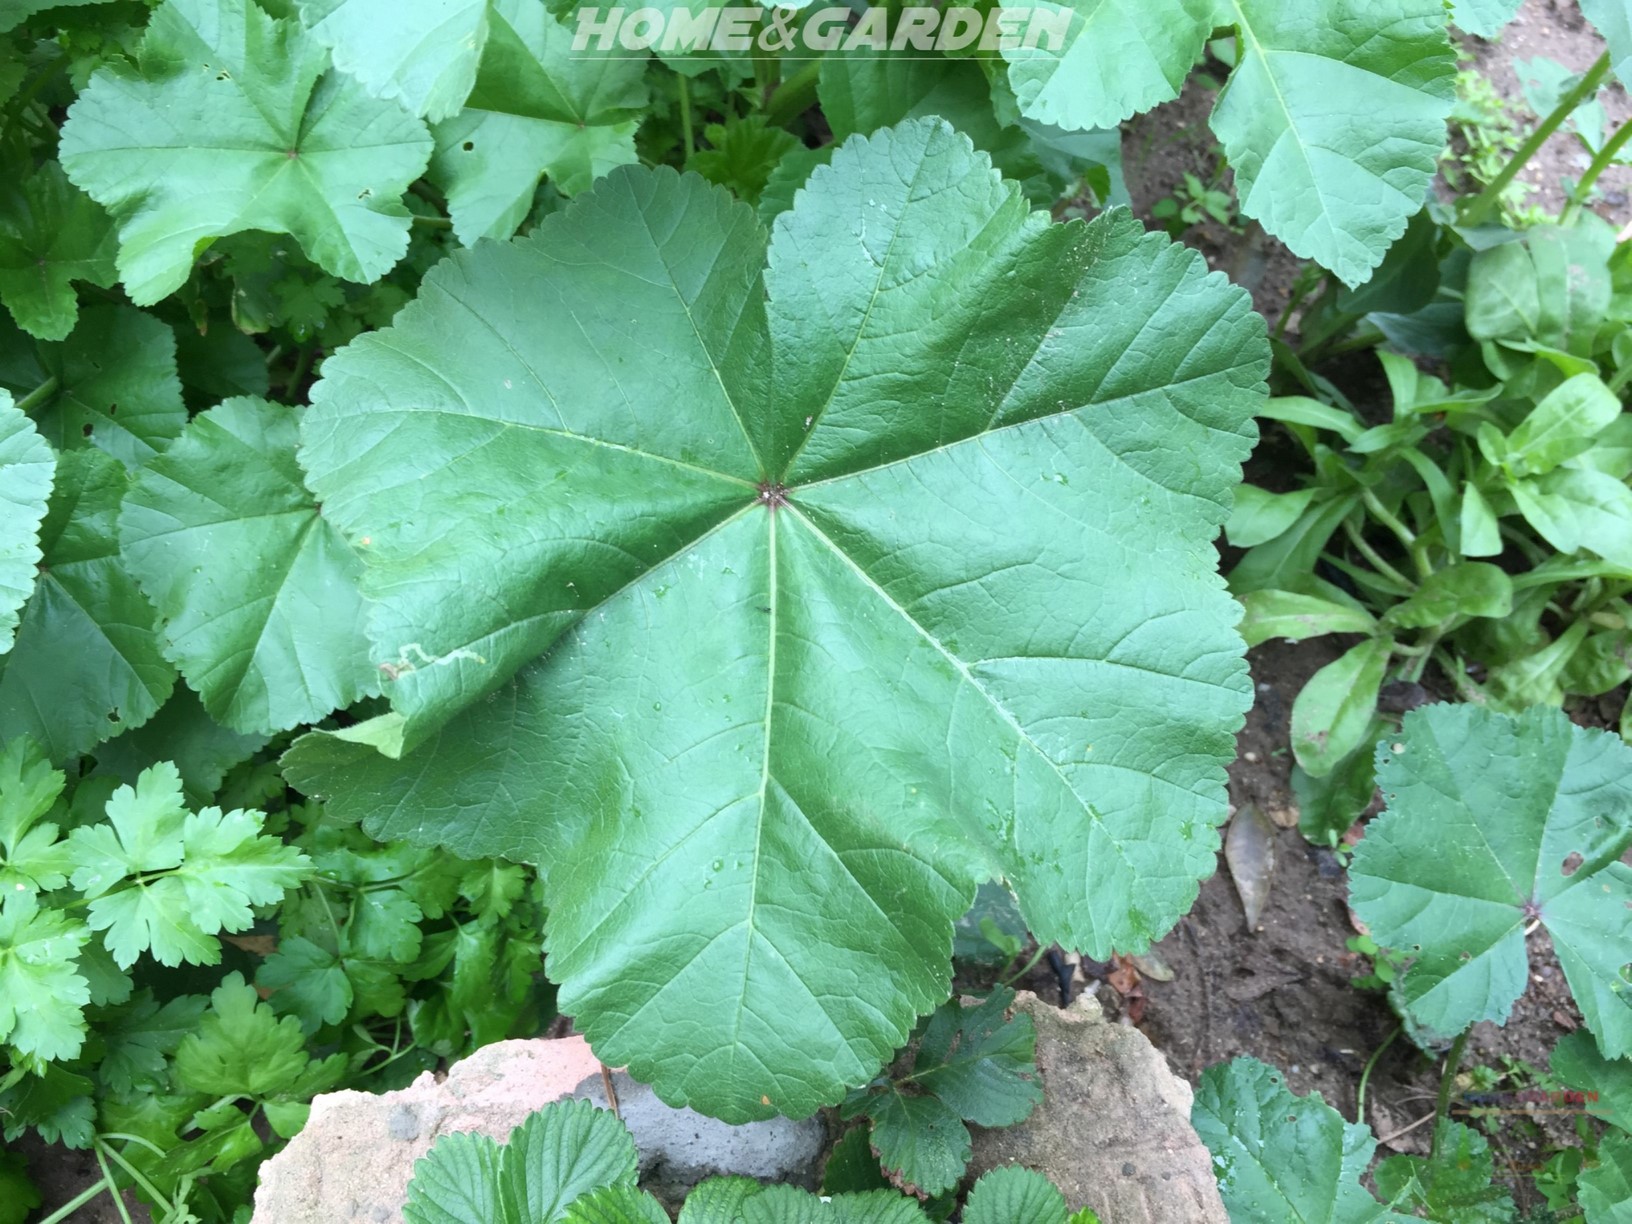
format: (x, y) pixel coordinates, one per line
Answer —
(1250, 758)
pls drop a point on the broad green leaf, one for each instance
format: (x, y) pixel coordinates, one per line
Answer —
(847, 689)
(852, 1165)
(788, 1205)
(921, 1141)
(1484, 18)
(42, 995)
(1278, 1156)
(1575, 508)
(140, 1036)
(111, 384)
(1453, 592)
(201, 749)
(1334, 709)
(559, 1153)
(308, 980)
(616, 1205)
(981, 1061)
(164, 880)
(86, 664)
(1613, 19)
(1260, 515)
(1453, 1186)
(1605, 1190)
(32, 859)
(1563, 425)
(1014, 1195)
(1494, 822)
(1607, 1082)
(241, 1049)
(1116, 58)
(1334, 121)
(1552, 287)
(27, 467)
(539, 108)
(256, 592)
(424, 53)
(1295, 617)
(1407, 279)
(51, 234)
(234, 122)
(18, 1193)
(456, 1182)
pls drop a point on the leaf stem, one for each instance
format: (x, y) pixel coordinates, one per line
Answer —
(794, 96)
(113, 1186)
(686, 131)
(433, 222)
(1372, 555)
(1365, 1075)
(79, 1200)
(1401, 532)
(1477, 211)
(1604, 159)
(1447, 1078)
(40, 393)
(1042, 951)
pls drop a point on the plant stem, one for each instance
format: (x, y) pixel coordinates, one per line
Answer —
(1478, 210)
(1042, 951)
(303, 361)
(1372, 555)
(74, 1204)
(41, 392)
(1605, 158)
(433, 222)
(1401, 532)
(1447, 1078)
(794, 96)
(1365, 1075)
(685, 115)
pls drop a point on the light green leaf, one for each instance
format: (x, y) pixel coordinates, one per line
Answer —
(796, 600)
(1334, 709)
(86, 664)
(233, 122)
(1613, 19)
(1295, 617)
(1564, 424)
(565, 1150)
(1014, 1195)
(539, 108)
(1301, 410)
(1334, 121)
(424, 53)
(1278, 1156)
(1484, 18)
(1117, 58)
(456, 1182)
(1551, 288)
(51, 234)
(1455, 592)
(1481, 536)
(788, 1205)
(1605, 1190)
(256, 592)
(616, 1205)
(241, 1049)
(1260, 515)
(1493, 822)
(719, 1200)
(1579, 508)
(112, 384)
(27, 468)
(42, 995)
(31, 857)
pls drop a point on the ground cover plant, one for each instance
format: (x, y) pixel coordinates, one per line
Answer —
(495, 525)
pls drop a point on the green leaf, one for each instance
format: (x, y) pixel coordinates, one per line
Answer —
(1295, 617)
(140, 1036)
(1606, 1082)
(719, 1200)
(616, 1205)
(1334, 709)
(51, 234)
(845, 705)
(1454, 592)
(165, 881)
(424, 53)
(1575, 508)
(112, 384)
(233, 122)
(201, 749)
(852, 1166)
(1117, 58)
(1551, 288)
(86, 664)
(788, 1205)
(27, 468)
(1260, 515)
(1492, 823)
(1288, 561)
(1334, 121)
(31, 857)
(1014, 1195)
(256, 592)
(18, 1194)
(241, 1049)
(1301, 410)
(921, 1141)
(1484, 18)
(1454, 1186)
(1613, 19)
(1564, 424)
(1278, 1156)
(1481, 536)
(456, 1182)
(308, 980)
(1328, 806)
(539, 108)
(42, 995)
(1605, 1190)
(741, 155)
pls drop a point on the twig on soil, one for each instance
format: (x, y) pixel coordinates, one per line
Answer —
(1204, 1040)
(1405, 1130)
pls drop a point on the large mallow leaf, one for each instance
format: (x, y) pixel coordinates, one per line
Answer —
(421, 52)
(233, 121)
(772, 598)
(27, 467)
(1495, 824)
(1334, 121)
(539, 108)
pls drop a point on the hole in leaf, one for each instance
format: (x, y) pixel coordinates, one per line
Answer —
(113, 409)
(1572, 863)
(113, 715)
(468, 145)
(86, 431)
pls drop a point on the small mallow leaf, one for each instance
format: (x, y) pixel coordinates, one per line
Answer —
(1278, 1156)
(51, 235)
(234, 121)
(880, 567)
(255, 590)
(1334, 120)
(27, 468)
(1496, 823)
(1453, 1185)
(1606, 1188)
